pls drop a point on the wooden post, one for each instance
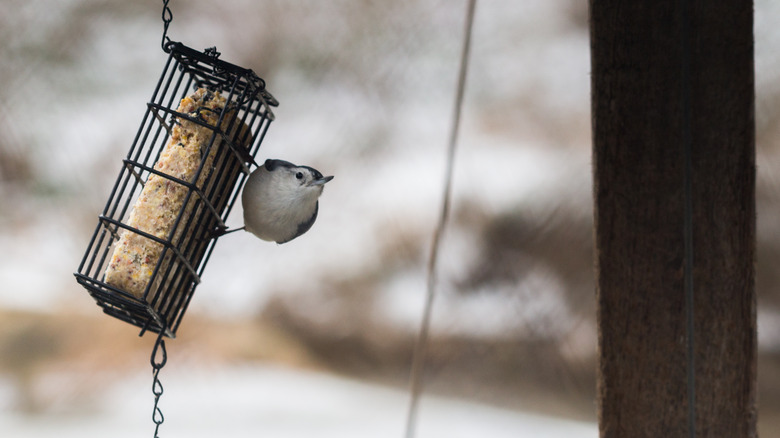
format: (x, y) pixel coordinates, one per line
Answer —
(639, 98)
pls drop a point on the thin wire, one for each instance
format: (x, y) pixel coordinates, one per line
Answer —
(421, 346)
(688, 217)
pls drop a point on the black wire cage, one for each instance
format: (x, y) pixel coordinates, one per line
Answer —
(199, 135)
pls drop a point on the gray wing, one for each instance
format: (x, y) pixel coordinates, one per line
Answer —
(305, 226)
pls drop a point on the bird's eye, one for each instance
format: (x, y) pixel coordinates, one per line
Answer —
(299, 175)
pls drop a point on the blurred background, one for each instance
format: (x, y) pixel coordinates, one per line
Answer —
(316, 336)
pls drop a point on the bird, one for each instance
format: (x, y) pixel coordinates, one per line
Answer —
(281, 200)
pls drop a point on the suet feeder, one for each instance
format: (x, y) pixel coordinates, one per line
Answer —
(176, 187)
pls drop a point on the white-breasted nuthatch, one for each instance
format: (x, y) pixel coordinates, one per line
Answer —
(280, 200)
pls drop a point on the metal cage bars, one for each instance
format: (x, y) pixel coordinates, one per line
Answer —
(180, 266)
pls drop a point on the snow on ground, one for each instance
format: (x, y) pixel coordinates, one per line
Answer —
(281, 403)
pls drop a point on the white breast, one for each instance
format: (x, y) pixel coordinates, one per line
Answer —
(275, 205)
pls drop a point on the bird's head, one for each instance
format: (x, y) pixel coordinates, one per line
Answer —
(303, 180)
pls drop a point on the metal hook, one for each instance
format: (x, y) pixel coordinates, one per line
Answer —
(167, 17)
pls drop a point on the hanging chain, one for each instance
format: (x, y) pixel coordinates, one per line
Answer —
(167, 17)
(157, 388)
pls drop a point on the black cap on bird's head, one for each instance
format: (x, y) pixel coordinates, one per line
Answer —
(271, 165)
(317, 178)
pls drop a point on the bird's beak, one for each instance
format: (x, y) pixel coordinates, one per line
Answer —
(321, 181)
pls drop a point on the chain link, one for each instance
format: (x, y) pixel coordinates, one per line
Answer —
(157, 388)
(167, 17)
